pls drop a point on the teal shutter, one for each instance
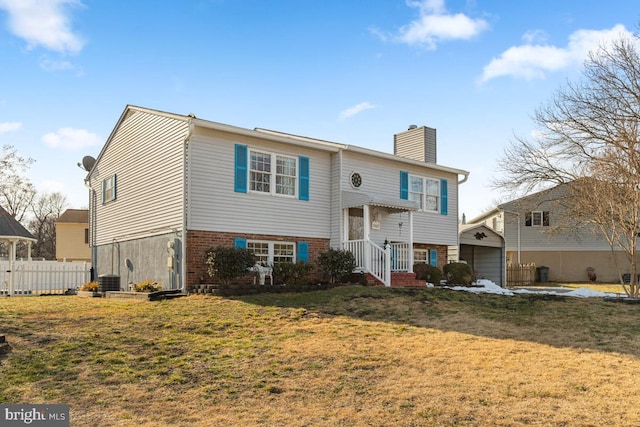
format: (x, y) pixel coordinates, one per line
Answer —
(433, 257)
(404, 185)
(303, 180)
(444, 198)
(241, 159)
(303, 251)
(240, 242)
(115, 187)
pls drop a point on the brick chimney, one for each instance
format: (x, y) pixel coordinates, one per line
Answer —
(416, 143)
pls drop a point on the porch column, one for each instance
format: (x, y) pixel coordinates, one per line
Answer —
(12, 259)
(367, 237)
(410, 250)
(345, 226)
(29, 274)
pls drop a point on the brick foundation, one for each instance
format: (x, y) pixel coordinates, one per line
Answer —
(199, 241)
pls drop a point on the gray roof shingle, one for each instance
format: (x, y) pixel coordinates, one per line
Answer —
(10, 227)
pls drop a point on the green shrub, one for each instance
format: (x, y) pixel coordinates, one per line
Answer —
(458, 273)
(288, 273)
(426, 272)
(336, 264)
(226, 264)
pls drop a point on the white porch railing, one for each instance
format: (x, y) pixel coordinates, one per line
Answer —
(356, 247)
(400, 257)
(371, 258)
(42, 277)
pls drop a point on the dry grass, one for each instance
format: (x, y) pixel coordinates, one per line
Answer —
(352, 356)
(601, 287)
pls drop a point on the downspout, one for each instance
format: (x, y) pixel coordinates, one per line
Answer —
(92, 227)
(462, 181)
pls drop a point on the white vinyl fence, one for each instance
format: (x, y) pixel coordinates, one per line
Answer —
(42, 277)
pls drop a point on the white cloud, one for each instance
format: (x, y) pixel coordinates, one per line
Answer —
(43, 23)
(10, 126)
(535, 36)
(533, 61)
(435, 25)
(356, 109)
(71, 139)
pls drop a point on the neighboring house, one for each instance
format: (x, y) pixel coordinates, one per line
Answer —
(529, 226)
(72, 236)
(166, 187)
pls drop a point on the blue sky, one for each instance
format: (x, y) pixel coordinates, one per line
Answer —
(344, 71)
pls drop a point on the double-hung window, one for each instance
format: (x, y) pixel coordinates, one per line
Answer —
(270, 253)
(109, 189)
(264, 178)
(537, 219)
(426, 256)
(416, 189)
(425, 191)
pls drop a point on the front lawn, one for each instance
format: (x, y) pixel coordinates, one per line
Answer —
(350, 356)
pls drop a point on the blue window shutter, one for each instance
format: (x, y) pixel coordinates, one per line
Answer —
(303, 251)
(404, 185)
(115, 187)
(241, 159)
(239, 242)
(433, 257)
(444, 198)
(303, 185)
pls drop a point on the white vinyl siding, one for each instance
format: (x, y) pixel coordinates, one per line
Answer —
(215, 206)
(381, 177)
(145, 151)
(545, 238)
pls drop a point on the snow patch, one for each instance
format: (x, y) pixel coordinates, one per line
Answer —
(484, 286)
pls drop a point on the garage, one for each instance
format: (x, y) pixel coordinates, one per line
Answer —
(484, 250)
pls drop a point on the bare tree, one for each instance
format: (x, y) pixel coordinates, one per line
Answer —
(589, 136)
(16, 191)
(46, 209)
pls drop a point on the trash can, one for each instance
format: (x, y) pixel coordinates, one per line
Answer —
(543, 274)
(108, 282)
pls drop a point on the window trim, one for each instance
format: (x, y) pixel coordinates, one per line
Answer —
(273, 174)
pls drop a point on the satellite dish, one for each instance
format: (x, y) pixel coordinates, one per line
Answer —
(88, 162)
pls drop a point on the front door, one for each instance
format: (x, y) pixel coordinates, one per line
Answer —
(356, 224)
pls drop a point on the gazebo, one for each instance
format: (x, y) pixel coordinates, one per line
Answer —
(12, 232)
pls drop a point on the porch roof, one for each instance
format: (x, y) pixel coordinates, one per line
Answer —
(352, 199)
